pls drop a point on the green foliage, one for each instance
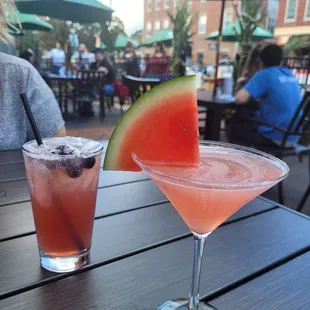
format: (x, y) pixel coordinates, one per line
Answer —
(109, 32)
(137, 35)
(251, 15)
(42, 41)
(182, 24)
(296, 42)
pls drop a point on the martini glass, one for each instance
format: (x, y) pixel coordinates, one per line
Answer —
(227, 177)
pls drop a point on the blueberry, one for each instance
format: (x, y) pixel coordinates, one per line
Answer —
(73, 167)
(74, 171)
(62, 150)
(89, 162)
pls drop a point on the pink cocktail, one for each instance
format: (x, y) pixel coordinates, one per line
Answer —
(227, 177)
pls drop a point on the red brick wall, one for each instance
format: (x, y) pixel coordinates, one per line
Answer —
(300, 14)
(212, 10)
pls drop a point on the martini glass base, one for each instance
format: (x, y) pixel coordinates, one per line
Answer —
(181, 304)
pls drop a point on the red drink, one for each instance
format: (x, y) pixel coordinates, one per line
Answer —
(63, 181)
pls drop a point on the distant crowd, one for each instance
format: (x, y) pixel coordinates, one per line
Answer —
(157, 65)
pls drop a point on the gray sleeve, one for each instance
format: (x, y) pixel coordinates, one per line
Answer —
(43, 105)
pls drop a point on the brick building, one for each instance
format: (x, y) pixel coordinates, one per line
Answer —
(293, 19)
(206, 14)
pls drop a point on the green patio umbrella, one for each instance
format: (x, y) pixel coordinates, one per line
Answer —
(230, 32)
(103, 46)
(81, 11)
(122, 40)
(30, 22)
(165, 36)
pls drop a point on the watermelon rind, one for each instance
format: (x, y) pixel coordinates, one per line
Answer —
(146, 102)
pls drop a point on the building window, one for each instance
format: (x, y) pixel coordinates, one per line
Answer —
(202, 24)
(291, 10)
(149, 5)
(157, 25)
(228, 17)
(166, 24)
(157, 5)
(307, 11)
(271, 24)
(200, 58)
(148, 30)
(167, 4)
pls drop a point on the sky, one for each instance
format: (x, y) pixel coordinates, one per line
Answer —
(129, 11)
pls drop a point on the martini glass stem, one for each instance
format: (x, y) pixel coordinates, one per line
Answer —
(193, 302)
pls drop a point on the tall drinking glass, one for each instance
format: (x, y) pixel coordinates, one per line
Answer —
(63, 180)
(205, 195)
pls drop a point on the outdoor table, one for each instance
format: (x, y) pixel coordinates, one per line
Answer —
(142, 252)
(62, 83)
(215, 109)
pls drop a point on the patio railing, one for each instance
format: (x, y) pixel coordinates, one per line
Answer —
(122, 66)
(300, 66)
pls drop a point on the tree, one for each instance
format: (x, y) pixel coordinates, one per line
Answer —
(137, 35)
(251, 16)
(182, 22)
(109, 32)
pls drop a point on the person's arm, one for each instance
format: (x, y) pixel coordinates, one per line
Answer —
(242, 96)
(255, 88)
(44, 107)
(61, 132)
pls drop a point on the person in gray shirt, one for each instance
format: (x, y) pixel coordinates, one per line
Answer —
(17, 76)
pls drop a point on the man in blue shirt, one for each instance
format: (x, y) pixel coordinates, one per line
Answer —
(278, 92)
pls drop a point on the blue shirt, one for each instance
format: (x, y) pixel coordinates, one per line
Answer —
(279, 95)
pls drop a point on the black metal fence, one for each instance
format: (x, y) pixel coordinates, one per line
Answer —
(139, 67)
(300, 66)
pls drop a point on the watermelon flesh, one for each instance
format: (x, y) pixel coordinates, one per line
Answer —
(161, 126)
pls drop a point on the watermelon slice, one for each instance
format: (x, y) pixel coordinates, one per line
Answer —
(162, 125)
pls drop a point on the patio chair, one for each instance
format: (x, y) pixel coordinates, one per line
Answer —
(85, 84)
(301, 128)
(139, 86)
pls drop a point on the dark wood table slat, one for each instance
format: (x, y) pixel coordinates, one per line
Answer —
(10, 157)
(12, 172)
(17, 219)
(253, 207)
(17, 191)
(285, 288)
(145, 280)
(113, 236)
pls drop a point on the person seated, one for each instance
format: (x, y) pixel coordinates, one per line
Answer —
(82, 58)
(278, 93)
(101, 64)
(158, 65)
(130, 61)
(112, 85)
(58, 58)
(22, 77)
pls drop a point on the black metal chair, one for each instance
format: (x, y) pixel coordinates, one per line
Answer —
(298, 126)
(85, 83)
(139, 86)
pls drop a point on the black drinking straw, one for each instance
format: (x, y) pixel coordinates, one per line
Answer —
(37, 135)
(31, 119)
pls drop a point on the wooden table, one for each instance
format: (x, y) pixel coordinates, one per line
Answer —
(142, 252)
(215, 109)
